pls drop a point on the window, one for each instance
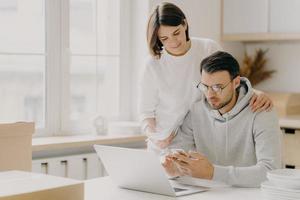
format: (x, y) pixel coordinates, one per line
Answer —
(60, 62)
(94, 47)
(22, 61)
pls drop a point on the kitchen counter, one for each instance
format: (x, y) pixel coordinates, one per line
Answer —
(291, 122)
(63, 142)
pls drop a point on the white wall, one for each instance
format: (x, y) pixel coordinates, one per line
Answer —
(284, 57)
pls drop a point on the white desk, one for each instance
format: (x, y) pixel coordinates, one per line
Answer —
(103, 188)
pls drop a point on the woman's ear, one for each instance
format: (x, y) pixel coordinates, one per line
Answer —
(185, 25)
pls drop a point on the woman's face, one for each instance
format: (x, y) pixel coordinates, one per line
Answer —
(173, 38)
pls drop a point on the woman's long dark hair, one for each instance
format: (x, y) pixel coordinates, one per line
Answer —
(164, 14)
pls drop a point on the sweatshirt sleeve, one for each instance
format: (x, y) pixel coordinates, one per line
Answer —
(267, 136)
(184, 138)
(147, 94)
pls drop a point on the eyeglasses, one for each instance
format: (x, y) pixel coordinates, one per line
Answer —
(218, 88)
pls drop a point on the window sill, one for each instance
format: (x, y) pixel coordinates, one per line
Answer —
(63, 142)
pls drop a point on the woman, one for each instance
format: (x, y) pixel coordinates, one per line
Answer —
(168, 83)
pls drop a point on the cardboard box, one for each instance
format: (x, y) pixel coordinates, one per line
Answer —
(286, 103)
(19, 185)
(15, 146)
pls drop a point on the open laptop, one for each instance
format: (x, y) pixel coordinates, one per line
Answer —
(140, 170)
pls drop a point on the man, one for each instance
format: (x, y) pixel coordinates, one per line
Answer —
(229, 142)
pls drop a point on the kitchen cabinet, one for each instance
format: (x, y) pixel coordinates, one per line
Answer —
(291, 148)
(244, 16)
(290, 126)
(284, 16)
(260, 20)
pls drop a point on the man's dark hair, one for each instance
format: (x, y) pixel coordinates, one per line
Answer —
(220, 61)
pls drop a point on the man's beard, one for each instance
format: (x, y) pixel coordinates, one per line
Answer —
(222, 105)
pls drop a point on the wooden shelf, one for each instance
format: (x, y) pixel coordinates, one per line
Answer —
(260, 37)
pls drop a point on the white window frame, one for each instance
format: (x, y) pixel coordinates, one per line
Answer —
(57, 103)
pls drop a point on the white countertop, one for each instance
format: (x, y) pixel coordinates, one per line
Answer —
(62, 142)
(291, 121)
(103, 188)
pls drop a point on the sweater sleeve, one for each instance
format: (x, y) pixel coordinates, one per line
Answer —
(184, 138)
(147, 94)
(267, 137)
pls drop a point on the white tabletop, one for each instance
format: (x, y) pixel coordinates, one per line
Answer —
(103, 188)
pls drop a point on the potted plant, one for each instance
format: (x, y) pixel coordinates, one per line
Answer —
(255, 68)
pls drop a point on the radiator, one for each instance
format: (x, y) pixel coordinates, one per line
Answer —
(81, 167)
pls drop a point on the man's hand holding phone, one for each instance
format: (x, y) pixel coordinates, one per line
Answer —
(192, 164)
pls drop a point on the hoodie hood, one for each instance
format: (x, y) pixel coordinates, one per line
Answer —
(245, 93)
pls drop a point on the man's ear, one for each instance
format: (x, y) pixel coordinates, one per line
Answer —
(237, 81)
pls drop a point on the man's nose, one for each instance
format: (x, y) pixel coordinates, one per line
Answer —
(210, 92)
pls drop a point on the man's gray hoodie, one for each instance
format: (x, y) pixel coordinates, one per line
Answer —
(242, 145)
